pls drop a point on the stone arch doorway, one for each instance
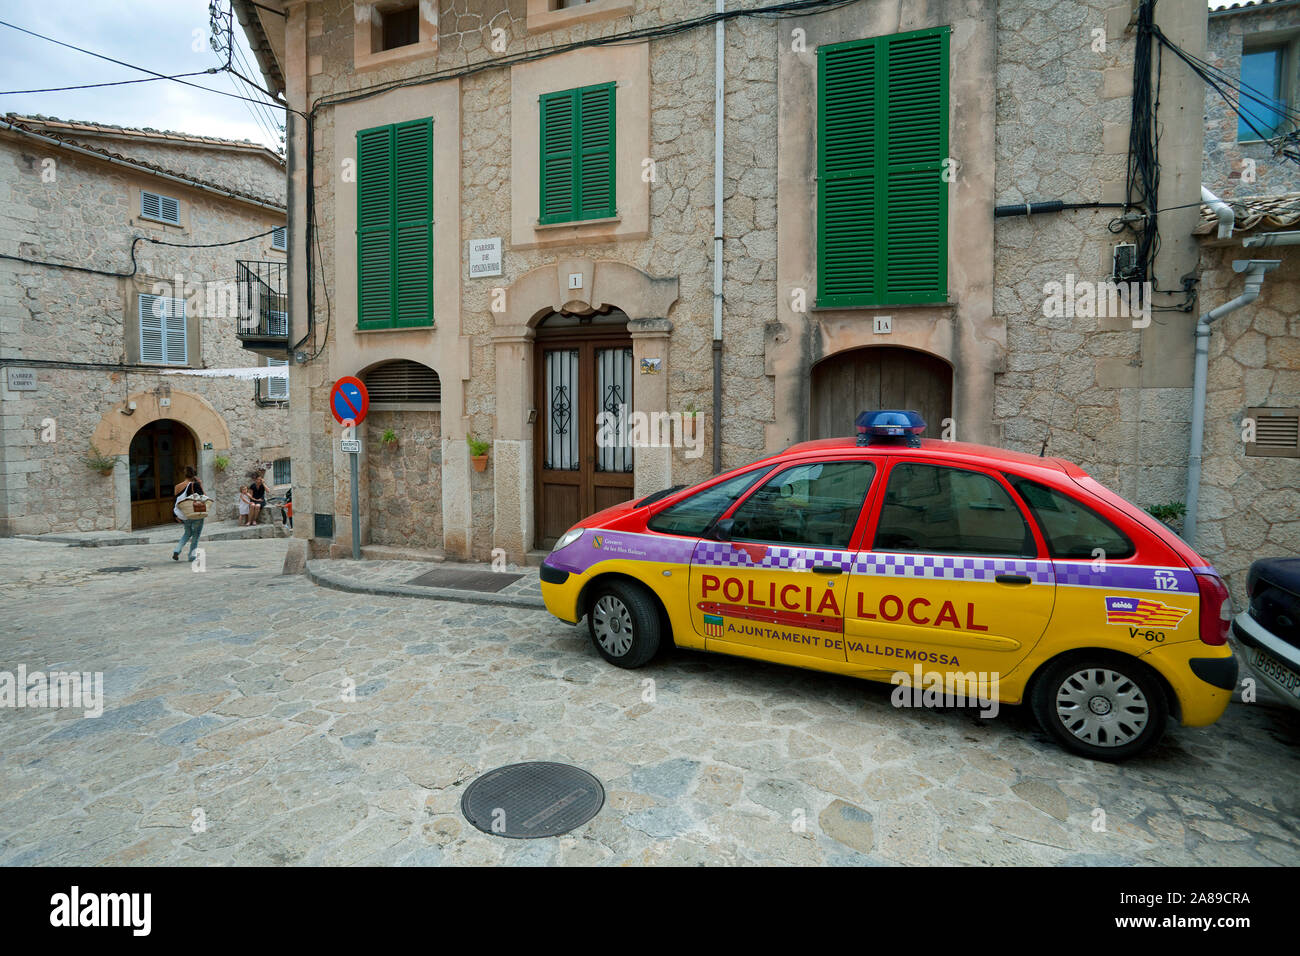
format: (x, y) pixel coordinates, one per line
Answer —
(878, 377)
(584, 381)
(158, 456)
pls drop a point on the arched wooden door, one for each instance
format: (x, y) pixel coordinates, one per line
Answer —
(159, 454)
(879, 377)
(584, 458)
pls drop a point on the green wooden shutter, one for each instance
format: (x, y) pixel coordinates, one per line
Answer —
(595, 173)
(882, 207)
(375, 227)
(413, 223)
(559, 129)
(847, 196)
(577, 140)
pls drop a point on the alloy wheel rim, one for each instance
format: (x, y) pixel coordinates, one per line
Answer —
(612, 623)
(1102, 707)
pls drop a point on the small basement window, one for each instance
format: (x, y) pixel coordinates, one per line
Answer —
(403, 382)
(1277, 433)
(160, 207)
(280, 472)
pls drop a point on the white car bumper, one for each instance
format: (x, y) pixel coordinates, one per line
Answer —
(1271, 659)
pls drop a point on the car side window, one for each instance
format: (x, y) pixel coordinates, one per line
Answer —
(941, 510)
(693, 514)
(815, 505)
(1072, 530)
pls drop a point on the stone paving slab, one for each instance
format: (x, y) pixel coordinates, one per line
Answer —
(212, 531)
(393, 578)
(255, 718)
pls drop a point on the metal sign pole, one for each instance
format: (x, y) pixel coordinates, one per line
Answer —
(356, 516)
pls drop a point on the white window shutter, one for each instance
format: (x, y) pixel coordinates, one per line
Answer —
(162, 208)
(279, 238)
(151, 330)
(278, 387)
(177, 346)
(169, 210)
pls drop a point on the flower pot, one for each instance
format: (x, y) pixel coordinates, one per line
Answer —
(106, 471)
(688, 425)
(480, 462)
(391, 445)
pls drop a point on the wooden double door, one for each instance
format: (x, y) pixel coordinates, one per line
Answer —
(584, 456)
(159, 455)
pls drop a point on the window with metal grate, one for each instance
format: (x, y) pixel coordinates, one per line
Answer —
(403, 381)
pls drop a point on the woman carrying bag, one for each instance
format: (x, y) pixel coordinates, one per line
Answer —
(193, 513)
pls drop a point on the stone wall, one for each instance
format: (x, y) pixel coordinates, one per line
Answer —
(405, 481)
(1224, 167)
(1077, 383)
(1249, 506)
(84, 216)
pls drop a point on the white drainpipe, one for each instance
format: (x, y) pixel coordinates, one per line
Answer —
(1255, 270)
(1221, 209)
(719, 79)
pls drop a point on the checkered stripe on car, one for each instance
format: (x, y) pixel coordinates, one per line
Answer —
(1130, 577)
(951, 568)
(725, 554)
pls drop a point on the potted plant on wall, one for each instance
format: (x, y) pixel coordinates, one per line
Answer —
(478, 452)
(98, 461)
(221, 462)
(389, 438)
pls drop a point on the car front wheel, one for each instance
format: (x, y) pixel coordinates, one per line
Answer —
(1104, 707)
(624, 624)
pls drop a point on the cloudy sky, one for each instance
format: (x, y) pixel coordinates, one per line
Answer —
(167, 36)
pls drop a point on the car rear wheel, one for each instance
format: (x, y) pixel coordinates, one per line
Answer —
(624, 624)
(1104, 707)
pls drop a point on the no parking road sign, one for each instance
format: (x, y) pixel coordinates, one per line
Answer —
(349, 399)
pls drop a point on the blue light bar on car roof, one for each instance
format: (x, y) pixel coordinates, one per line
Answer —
(890, 426)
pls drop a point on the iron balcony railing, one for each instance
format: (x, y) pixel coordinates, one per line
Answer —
(262, 289)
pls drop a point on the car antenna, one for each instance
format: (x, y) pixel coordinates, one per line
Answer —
(1043, 451)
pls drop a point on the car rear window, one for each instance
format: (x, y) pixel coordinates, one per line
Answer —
(693, 514)
(1072, 529)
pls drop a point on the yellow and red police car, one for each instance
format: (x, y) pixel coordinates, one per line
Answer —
(919, 562)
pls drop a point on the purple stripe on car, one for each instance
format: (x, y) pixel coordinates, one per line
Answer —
(595, 546)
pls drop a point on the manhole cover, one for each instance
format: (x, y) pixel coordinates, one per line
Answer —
(463, 580)
(525, 801)
(119, 570)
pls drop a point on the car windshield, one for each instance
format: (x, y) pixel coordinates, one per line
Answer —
(697, 511)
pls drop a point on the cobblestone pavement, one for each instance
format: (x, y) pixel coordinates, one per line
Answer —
(223, 695)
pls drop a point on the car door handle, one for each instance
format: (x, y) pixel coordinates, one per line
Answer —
(1013, 579)
(827, 569)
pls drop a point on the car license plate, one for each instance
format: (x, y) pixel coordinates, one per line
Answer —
(1275, 669)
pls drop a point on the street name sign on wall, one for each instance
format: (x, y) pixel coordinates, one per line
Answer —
(21, 379)
(484, 258)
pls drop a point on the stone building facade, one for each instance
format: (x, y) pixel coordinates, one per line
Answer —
(1237, 162)
(104, 330)
(1037, 102)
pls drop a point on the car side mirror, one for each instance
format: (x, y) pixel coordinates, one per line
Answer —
(722, 530)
